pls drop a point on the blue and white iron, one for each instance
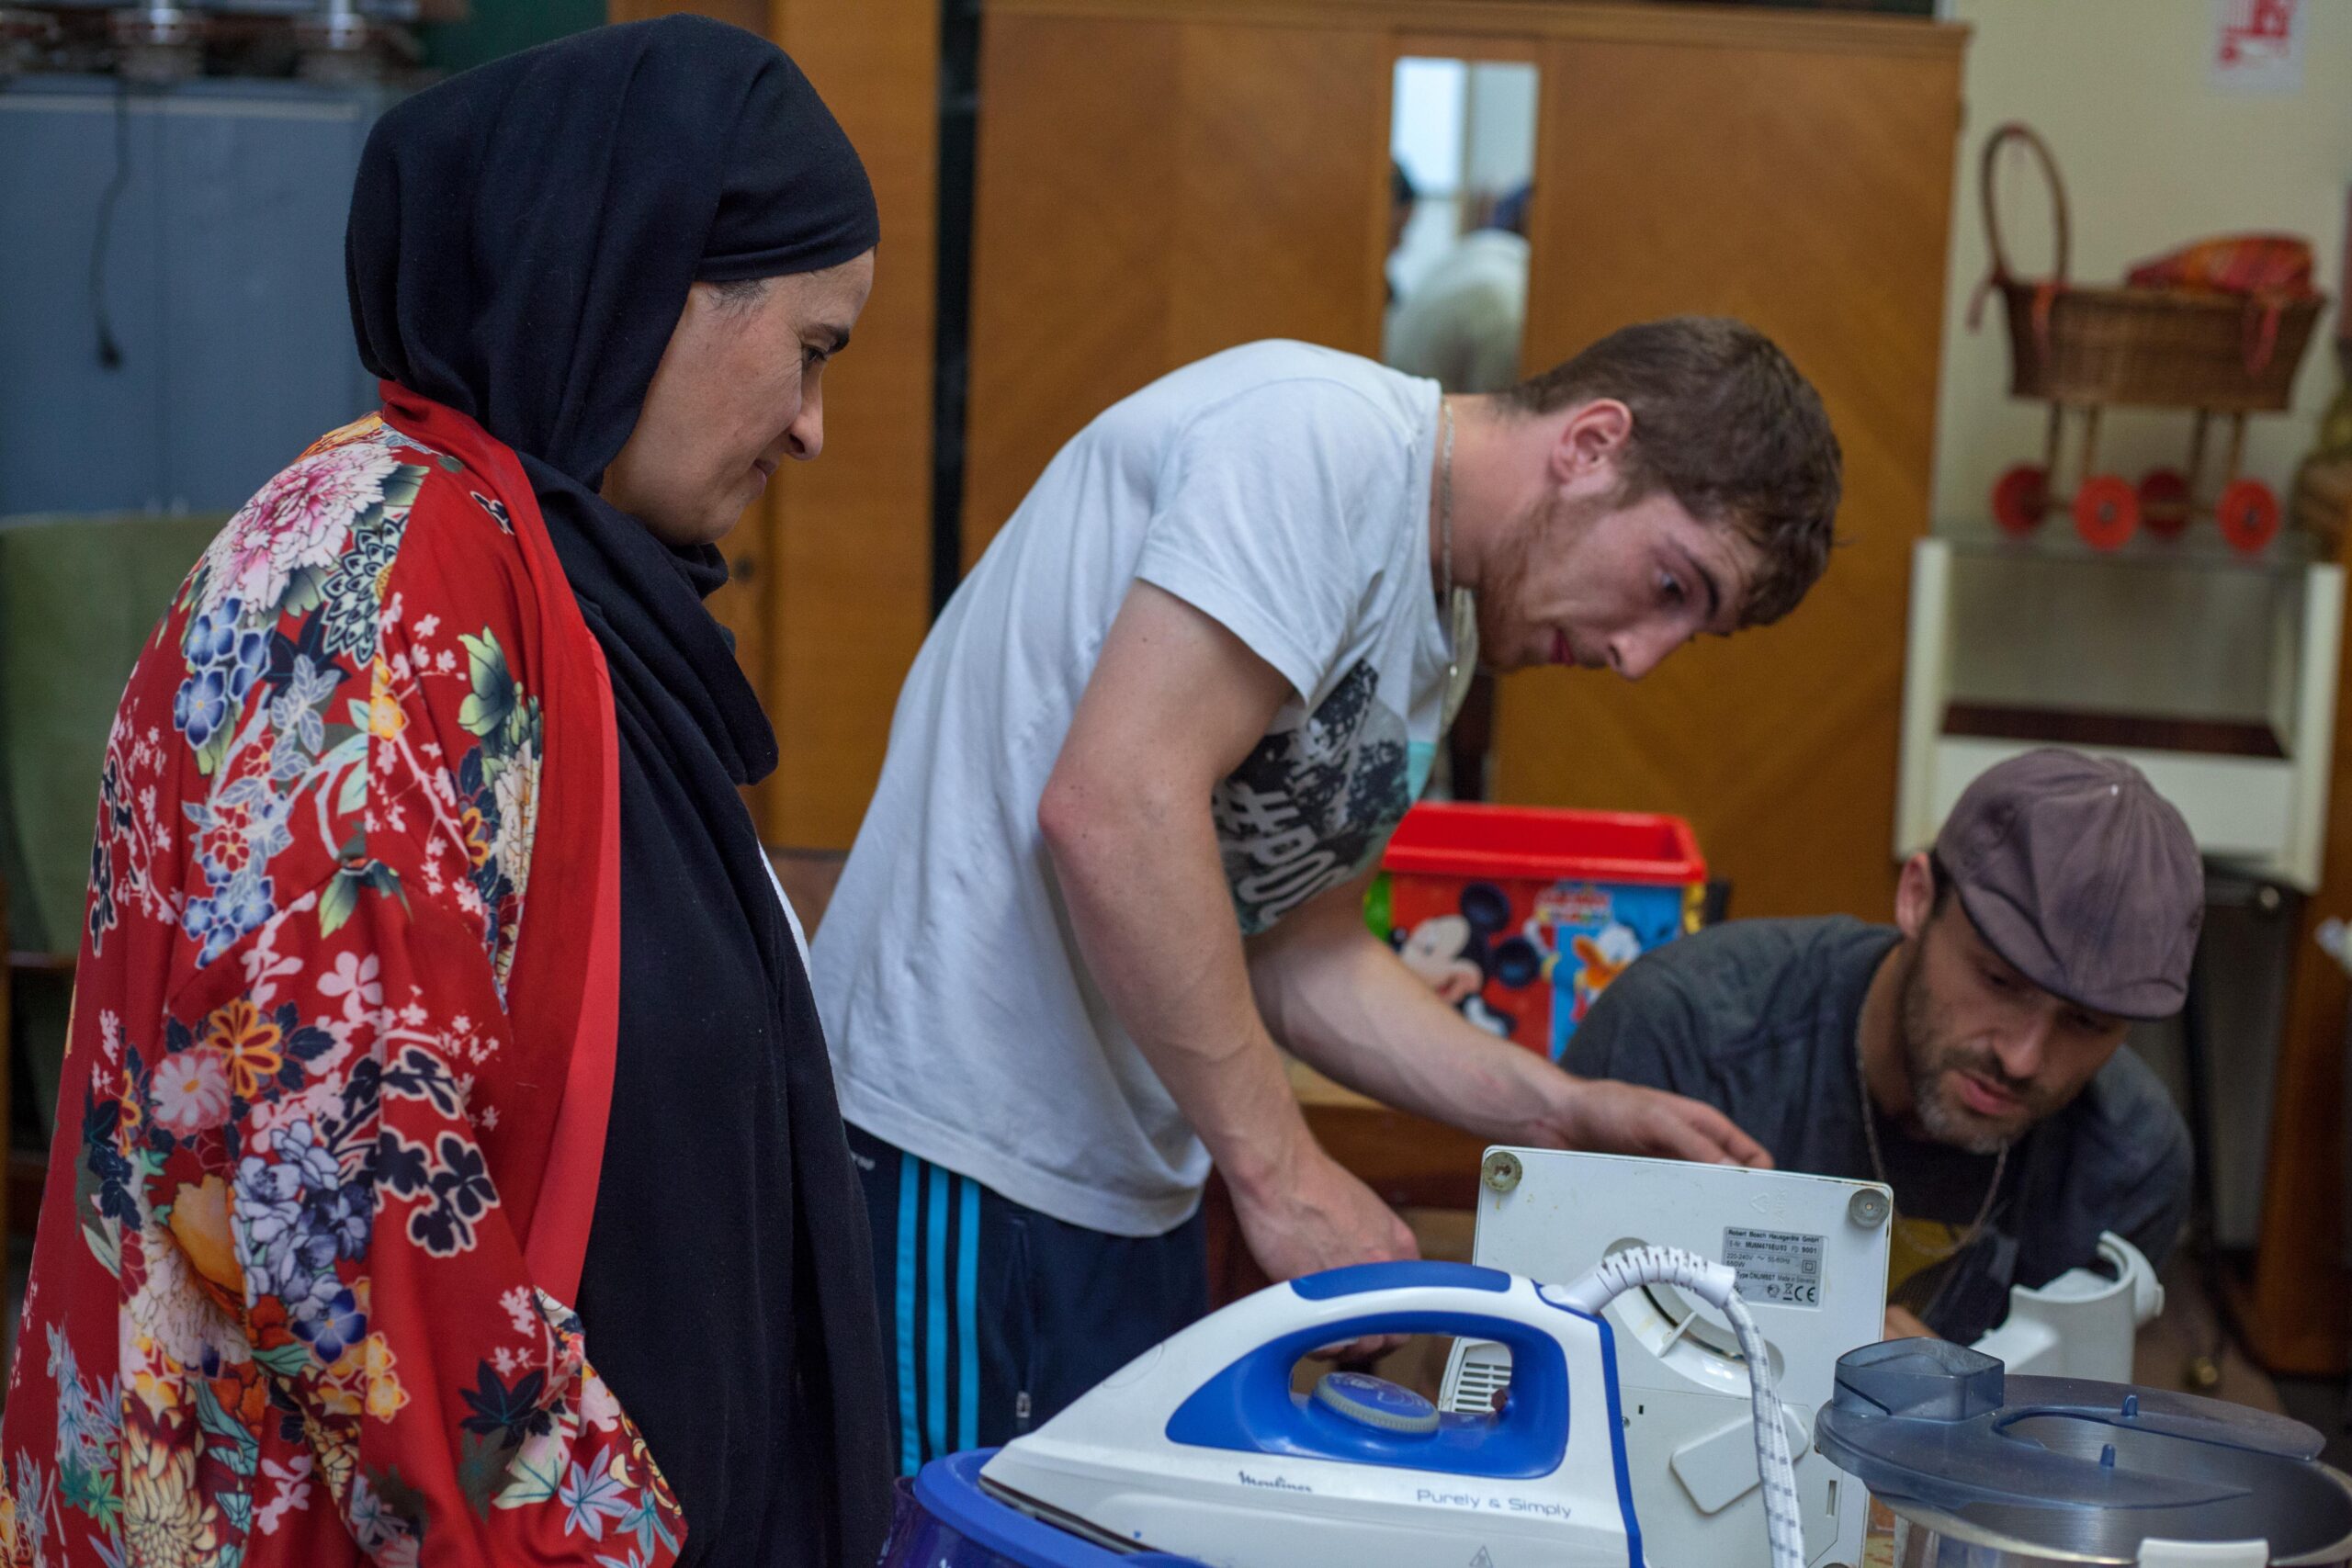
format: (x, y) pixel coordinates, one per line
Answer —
(1198, 1448)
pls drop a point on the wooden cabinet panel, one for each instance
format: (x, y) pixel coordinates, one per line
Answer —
(1151, 192)
(1807, 190)
(1077, 209)
(1284, 186)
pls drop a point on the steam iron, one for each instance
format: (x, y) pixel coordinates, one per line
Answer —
(1198, 1449)
(1811, 1255)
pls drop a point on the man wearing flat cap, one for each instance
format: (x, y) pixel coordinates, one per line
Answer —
(1968, 1055)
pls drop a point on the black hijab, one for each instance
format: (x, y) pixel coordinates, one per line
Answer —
(521, 242)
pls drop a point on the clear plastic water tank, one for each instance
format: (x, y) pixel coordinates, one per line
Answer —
(1987, 1471)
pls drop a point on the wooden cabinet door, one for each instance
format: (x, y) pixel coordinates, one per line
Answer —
(1151, 191)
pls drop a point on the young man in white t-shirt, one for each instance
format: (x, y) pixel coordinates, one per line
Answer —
(1140, 773)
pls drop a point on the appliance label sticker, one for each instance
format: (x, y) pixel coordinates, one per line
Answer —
(1780, 1266)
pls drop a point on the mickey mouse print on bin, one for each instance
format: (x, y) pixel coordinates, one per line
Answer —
(1456, 953)
(1519, 916)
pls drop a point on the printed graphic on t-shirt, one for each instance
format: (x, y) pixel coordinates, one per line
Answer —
(1313, 803)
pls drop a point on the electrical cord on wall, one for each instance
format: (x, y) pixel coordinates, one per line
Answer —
(109, 350)
(1717, 1286)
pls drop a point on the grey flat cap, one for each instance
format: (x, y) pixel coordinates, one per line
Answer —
(2081, 876)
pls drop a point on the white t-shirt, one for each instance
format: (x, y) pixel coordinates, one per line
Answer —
(1283, 489)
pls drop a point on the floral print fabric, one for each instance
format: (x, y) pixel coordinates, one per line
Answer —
(278, 1311)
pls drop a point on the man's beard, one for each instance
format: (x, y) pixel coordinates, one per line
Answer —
(1548, 525)
(1929, 1061)
(1500, 587)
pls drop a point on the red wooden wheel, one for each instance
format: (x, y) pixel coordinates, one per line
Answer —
(2020, 498)
(2164, 501)
(2248, 514)
(2107, 510)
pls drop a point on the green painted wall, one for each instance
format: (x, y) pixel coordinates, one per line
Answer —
(502, 27)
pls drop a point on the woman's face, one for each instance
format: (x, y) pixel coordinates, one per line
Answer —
(739, 389)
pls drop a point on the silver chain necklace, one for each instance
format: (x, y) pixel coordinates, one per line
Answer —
(1878, 1162)
(1457, 608)
(1445, 548)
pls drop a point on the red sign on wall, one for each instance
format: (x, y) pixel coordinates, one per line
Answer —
(2258, 45)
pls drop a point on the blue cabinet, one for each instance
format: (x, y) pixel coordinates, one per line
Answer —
(222, 281)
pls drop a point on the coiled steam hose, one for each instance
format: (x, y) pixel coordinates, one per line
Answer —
(1718, 1287)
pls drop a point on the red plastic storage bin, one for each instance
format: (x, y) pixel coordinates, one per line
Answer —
(1521, 916)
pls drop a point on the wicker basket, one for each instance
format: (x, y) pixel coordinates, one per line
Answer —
(2150, 347)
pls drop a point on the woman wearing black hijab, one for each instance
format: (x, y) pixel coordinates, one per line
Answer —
(461, 1178)
(523, 241)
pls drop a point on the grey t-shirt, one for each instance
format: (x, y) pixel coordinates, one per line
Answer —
(1757, 1019)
